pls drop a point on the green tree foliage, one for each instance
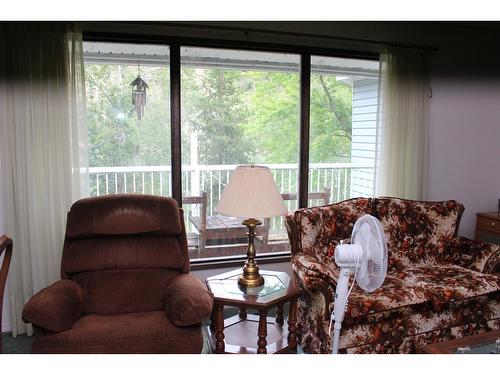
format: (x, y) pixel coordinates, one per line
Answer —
(115, 136)
(239, 116)
(214, 106)
(331, 120)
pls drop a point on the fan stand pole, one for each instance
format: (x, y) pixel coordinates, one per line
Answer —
(336, 338)
(341, 295)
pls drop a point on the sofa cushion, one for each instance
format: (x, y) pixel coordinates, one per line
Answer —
(395, 326)
(417, 231)
(420, 300)
(437, 285)
(145, 332)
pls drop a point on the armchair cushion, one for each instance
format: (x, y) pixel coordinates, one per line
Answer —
(188, 301)
(142, 332)
(474, 255)
(55, 308)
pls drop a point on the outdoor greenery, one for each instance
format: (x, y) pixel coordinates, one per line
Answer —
(239, 116)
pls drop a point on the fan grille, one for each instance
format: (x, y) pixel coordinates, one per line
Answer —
(368, 233)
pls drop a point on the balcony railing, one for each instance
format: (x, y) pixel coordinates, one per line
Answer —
(213, 179)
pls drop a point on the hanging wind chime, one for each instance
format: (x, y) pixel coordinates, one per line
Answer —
(139, 100)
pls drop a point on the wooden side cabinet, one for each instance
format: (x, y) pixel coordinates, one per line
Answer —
(488, 227)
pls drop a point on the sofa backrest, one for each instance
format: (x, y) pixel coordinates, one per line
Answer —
(317, 227)
(124, 250)
(417, 231)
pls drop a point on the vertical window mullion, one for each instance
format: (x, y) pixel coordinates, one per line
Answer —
(305, 99)
(175, 116)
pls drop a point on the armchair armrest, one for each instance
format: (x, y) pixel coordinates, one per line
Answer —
(55, 308)
(188, 301)
(475, 255)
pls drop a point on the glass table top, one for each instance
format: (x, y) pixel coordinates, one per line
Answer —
(277, 285)
(272, 284)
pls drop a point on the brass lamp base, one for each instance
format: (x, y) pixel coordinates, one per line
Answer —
(251, 277)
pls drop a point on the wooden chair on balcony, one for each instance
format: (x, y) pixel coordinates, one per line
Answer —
(199, 240)
(5, 245)
(322, 196)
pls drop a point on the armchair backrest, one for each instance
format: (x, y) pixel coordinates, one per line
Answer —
(124, 250)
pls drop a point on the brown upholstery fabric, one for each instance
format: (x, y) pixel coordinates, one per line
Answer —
(188, 301)
(55, 308)
(145, 332)
(438, 286)
(108, 253)
(123, 291)
(121, 253)
(121, 214)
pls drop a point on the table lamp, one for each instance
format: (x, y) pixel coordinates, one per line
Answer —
(251, 193)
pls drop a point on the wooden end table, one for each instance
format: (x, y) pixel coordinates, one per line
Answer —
(248, 333)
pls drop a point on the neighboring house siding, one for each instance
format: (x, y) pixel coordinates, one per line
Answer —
(364, 127)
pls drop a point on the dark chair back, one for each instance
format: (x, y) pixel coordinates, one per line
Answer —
(201, 200)
(5, 246)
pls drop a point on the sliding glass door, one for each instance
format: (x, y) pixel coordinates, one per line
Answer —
(238, 107)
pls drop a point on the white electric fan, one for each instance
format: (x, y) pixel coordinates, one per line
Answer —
(366, 256)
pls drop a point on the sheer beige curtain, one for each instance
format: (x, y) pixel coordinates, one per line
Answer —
(42, 139)
(402, 123)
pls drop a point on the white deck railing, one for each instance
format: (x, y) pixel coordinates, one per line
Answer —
(213, 179)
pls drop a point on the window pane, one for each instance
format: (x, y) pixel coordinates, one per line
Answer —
(238, 107)
(344, 94)
(127, 154)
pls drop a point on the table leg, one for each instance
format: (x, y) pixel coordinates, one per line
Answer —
(243, 313)
(219, 334)
(292, 320)
(262, 342)
(279, 315)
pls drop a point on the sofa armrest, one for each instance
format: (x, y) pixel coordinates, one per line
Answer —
(55, 308)
(475, 255)
(188, 301)
(316, 277)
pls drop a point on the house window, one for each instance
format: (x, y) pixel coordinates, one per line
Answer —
(237, 107)
(343, 127)
(127, 154)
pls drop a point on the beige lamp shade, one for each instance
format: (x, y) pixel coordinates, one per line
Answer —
(251, 193)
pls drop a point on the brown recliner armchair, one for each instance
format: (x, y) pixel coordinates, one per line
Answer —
(125, 285)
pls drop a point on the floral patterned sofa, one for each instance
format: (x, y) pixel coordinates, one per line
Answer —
(439, 286)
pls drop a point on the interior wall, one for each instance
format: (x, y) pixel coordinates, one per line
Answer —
(464, 146)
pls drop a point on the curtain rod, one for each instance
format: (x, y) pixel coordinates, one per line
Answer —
(248, 31)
